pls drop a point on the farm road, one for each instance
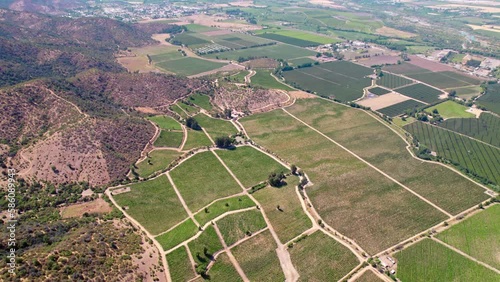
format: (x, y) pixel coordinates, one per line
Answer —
(230, 255)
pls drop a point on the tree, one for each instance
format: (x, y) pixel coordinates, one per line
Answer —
(276, 179)
(452, 94)
(192, 123)
(293, 169)
(224, 142)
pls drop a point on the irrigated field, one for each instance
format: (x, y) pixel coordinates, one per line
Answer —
(263, 78)
(223, 270)
(341, 80)
(202, 101)
(392, 81)
(165, 122)
(153, 203)
(405, 68)
(466, 92)
(295, 37)
(204, 247)
(378, 91)
(368, 276)
(157, 160)
(319, 257)
(202, 179)
(278, 51)
(451, 109)
(169, 139)
(349, 195)
(216, 127)
(445, 79)
(478, 158)
(477, 236)
(258, 259)
(400, 108)
(177, 235)
(195, 139)
(179, 265)
(250, 165)
(491, 99)
(380, 146)
(421, 92)
(237, 226)
(431, 261)
(485, 128)
(222, 206)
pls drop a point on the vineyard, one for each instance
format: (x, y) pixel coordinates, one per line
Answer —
(472, 156)
(491, 100)
(379, 91)
(421, 92)
(392, 81)
(486, 128)
(400, 108)
(445, 79)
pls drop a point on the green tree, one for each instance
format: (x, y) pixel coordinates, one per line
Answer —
(224, 142)
(192, 123)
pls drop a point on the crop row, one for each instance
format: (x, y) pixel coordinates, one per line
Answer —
(486, 128)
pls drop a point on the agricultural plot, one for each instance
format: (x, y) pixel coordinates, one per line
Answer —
(258, 259)
(341, 80)
(179, 265)
(204, 247)
(319, 257)
(392, 81)
(171, 139)
(289, 40)
(168, 54)
(222, 206)
(485, 128)
(165, 122)
(368, 276)
(223, 270)
(190, 110)
(202, 179)
(298, 62)
(400, 108)
(371, 140)
(153, 203)
(188, 66)
(451, 109)
(296, 37)
(477, 236)
(249, 165)
(351, 197)
(202, 101)
(190, 39)
(277, 51)
(196, 139)
(176, 109)
(157, 160)
(177, 235)
(240, 41)
(216, 127)
(237, 226)
(445, 79)
(466, 92)
(378, 91)
(491, 99)
(431, 261)
(263, 78)
(405, 68)
(475, 157)
(421, 92)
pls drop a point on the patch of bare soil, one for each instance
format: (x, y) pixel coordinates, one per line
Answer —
(299, 94)
(217, 21)
(250, 100)
(380, 60)
(77, 210)
(217, 32)
(428, 64)
(383, 101)
(162, 38)
(147, 110)
(120, 191)
(262, 63)
(327, 3)
(389, 31)
(226, 68)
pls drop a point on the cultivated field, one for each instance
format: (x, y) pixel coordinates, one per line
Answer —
(446, 79)
(177, 235)
(491, 99)
(378, 91)
(171, 139)
(165, 122)
(195, 139)
(319, 257)
(477, 236)
(202, 101)
(405, 68)
(485, 128)
(258, 259)
(383, 101)
(466, 92)
(296, 37)
(431, 261)
(153, 203)
(392, 81)
(368, 276)
(237, 226)
(223, 270)
(400, 108)
(278, 51)
(204, 247)
(222, 206)
(341, 80)
(451, 109)
(421, 92)
(179, 265)
(216, 127)
(350, 196)
(263, 78)
(157, 160)
(478, 158)
(250, 165)
(202, 179)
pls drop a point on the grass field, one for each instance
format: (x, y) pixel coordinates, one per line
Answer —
(216, 127)
(485, 128)
(188, 66)
(250, 165)
(204, 247)
(179, 265)
(223, 270)
(477, 236)
(491, 99)
(169, 139)
(165, 122)
(478, 158)
(235, 227)
(368, 276)
(451, 109)
(400, 108)
(445, 79)
(263, 78)
(153, 203)
(222, 206)
(380, 146)
(378, 91)
(319, 257)
(196, 139)
(278, 51)
(392, 81)
(431, 261)
(421, 92)
(157, 160)
(342, 80)
(350, 196)
(258, 259)
(466, 92)
(179, 234)
(202, 179)
(202, 101)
